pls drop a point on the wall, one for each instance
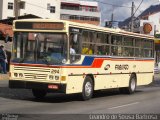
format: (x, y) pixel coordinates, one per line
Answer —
(1, 4)
(156, 19)
(35, 7)
(39, 8)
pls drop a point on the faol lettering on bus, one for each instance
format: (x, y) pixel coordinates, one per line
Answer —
(122, 67)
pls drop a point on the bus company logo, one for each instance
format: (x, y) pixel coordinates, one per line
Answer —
(107, 67)
(122, 67)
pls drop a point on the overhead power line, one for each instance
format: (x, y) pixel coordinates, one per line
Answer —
(137, 8)
(113, 4)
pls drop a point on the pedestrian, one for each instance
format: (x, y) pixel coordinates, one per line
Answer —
(3, 59)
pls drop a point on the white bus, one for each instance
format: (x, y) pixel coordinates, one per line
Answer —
(67, 57)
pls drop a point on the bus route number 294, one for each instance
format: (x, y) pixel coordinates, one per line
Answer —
(54, 71)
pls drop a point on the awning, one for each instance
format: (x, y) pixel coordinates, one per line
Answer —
(6, 30)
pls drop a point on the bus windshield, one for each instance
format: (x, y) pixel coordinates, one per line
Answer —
(40, 48)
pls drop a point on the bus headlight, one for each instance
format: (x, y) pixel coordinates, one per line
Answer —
(15, 74)
(20, 75)
(56, 77)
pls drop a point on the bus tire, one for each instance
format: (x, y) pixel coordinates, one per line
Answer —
(132, 86)
(39, 94)
(87, 90)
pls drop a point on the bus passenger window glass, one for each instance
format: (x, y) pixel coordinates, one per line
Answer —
(114, 50)
(91, 37)
(89, 46)
(116, 40)
(85, 36)
(138, 52)
(128, 41)
(99, 38)
(102, 38)
(147, 53)
(128, 52)
(138, 42)
(75, 48)
(88, 49)
(102, 50)
(147, 44)
(106, 39)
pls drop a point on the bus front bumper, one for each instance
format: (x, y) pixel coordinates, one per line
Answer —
(50, 87)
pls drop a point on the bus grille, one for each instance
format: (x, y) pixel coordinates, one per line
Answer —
(35, 76)
(33, 72)
(32, 69)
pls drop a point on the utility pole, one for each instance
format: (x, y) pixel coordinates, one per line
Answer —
(132, 17)
(112, 20)
(16, 8)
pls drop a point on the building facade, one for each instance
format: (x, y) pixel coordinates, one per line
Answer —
(84, 11)
(41, 8)
(80, 11)
(150, 15)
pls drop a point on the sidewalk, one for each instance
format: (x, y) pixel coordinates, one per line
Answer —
(4, 77)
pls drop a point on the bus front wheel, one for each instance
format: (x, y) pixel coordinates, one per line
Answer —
(87, 90)
(39, 94)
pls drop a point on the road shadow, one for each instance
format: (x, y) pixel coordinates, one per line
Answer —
(26, 95)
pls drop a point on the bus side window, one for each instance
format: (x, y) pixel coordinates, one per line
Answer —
(88, 43)
(116, 42)
(74, 47)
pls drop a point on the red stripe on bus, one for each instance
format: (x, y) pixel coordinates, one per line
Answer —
(97, 63)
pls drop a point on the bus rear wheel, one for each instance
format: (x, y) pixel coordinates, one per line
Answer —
(39, 94)
(132, 86)
(87, 90)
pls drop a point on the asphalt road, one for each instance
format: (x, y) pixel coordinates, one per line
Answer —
(146, 100)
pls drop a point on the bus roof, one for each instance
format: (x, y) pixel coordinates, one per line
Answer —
(90, 27)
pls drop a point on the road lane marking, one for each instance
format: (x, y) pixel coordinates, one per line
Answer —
(124, 105)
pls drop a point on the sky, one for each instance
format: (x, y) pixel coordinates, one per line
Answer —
(121, 9)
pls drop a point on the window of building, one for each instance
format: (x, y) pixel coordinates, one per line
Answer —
(65, 17)
(10, 5)
(48, 6)
(22, 5)
(52, 9)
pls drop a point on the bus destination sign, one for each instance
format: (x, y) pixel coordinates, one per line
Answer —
(50, 26)
(40, 25)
